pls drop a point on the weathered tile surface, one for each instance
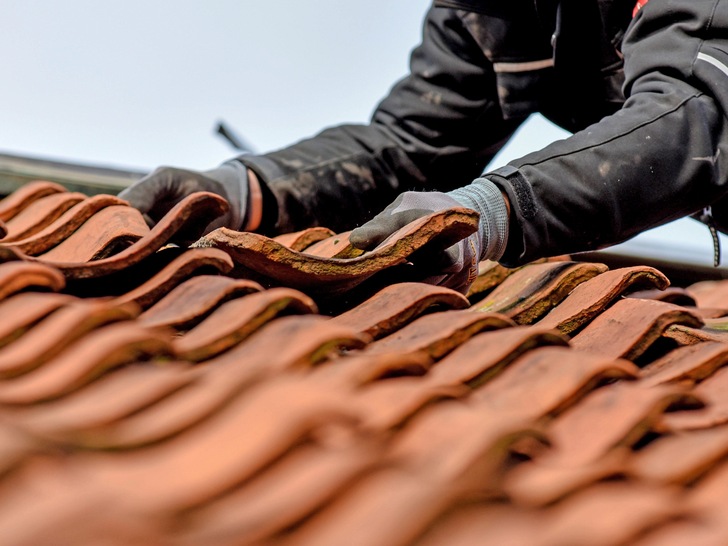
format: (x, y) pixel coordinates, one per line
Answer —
(585, 407)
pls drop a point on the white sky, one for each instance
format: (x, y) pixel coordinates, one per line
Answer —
(141, 83)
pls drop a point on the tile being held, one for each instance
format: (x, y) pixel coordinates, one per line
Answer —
(332, 276)
(301, 240)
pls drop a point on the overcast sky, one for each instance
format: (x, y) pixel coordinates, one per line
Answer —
(141, 83)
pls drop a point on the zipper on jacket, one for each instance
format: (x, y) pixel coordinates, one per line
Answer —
(706, 217)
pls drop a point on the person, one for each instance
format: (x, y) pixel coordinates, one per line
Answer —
(643, 88)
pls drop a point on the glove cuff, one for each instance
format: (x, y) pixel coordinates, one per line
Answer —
(233, 176)
(485, 197)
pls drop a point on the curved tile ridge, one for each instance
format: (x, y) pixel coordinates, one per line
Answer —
(107, 400)
(710, 293)
(631, 326)
(680, 458)
(21, 311)
(583, 438)
(712, 391)
(532, 291)
(64, 226)
(396, 305)
(437, 334)
(187, 265)
(81, 362)
(593, 296)
(285, 345)
(271, 429)
(17, 276)
(300, 240)
(40, 214)
(183, 223)
(110, 229)
(300, 483)
(548, 380)
(332, 276)
(194, 299)
(56, 332)
(24, 196)
(235, 320)
(687, 364)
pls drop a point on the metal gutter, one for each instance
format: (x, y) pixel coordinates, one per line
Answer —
(16, 170)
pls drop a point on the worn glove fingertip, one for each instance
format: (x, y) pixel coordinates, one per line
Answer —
(364, 238)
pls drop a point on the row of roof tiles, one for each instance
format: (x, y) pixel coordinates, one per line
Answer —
(248, 390)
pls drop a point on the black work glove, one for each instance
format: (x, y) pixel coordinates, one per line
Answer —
(457, 266)
(155, 194)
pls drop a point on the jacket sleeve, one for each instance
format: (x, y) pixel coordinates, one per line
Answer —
(439, 126)
(664, 155)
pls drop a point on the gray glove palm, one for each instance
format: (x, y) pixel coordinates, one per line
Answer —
(457, 266)
(155, 194)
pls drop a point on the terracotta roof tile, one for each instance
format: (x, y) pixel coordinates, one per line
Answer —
(21, 311)
(24, 196)
(39, 215)
(592, 297)
(183, 223)
(188, 303)
(306, 272)
(18, 276)
(532, 291)
(234, 321)
(364, 409)
(62, 227)
(83, 361)
(395, 306)
(56, 332)
(301, 240)
(438, 334)
(188, 264)
(630, 326)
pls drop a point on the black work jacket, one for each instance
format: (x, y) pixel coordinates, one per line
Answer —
(646, 99)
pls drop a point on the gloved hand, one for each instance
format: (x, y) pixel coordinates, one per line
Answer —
(457, 266)
(155, 194)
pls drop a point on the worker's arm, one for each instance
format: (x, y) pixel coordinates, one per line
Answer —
(437, 129)
(664, 155)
